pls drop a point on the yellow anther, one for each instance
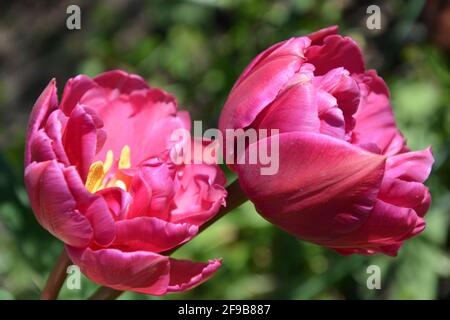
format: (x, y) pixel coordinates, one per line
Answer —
(95, 176)
(124, 160)
(98, 170)
(108, 161)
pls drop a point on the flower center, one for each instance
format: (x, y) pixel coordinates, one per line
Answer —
(100, 175)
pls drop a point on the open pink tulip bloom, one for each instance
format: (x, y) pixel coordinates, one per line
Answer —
(99, 177)
(346, 178)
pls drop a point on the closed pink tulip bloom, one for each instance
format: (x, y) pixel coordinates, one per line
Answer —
(346, 178)
(100, 178)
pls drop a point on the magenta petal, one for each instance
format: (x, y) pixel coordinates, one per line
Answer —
(46, 143)
(54, 129)
(40, 147)
(152, 189)
(319, 179)
(74, 90)
(54, 205)
(185, 274)
(200, 196)
(124, 82)
(150, 115)
(290, 47)
(422, 209)
(387, 224)
(408, 194)
(375, 122)
(118, 201)
(257, 91)
(256, 62)
(151, 234)
(335, 52)
(45, 104)
(410, 166)
(140, 271)
(344, 88)
(101, 219)
(141, 193)
(294, 110)
(332, 120)
(318, 36)
(94, 206)
(80, 139)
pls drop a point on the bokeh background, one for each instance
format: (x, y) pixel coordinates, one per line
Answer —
(196, 50)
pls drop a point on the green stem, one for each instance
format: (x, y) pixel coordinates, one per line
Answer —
(56, 278)
(235, 198)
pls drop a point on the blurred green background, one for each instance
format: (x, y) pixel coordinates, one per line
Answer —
(196, 50)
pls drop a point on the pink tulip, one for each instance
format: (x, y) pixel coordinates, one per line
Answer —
(346, 178)
(99, 177)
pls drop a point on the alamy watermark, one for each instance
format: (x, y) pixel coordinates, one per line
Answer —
(73, 281)
(374, 279)
(373, 21)
(73, 21)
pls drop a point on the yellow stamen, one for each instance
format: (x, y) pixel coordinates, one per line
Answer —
(124, 160)
(99, 169)
(95, 176)
(109, 160)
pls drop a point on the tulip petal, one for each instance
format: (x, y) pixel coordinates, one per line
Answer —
(410, 166)
(80, 139)
(117, 79)
(262, 85)
(387, 224)
(152, 189)
(319, 179)
(318, 36)
(140, 271)
(375, 122)
(336, 51)
(150, 115)
(54, 205)
(344, 88)
(151, 234)
(294, 110)
(54, 128)
(200, 195)
(118, 201)
(185, 275)
(74, 90)
(40, 147)
(94, 206)
(45, 104)
(141, 197)
(401, 193)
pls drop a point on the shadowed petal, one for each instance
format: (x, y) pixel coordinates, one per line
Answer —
(80, 139)
(74, 90)
(185, 275)
(139, 271)
(45, 104)
(375, 122)
(410, 166)
(336, 51)
(318, 36)
(54, 204)
(122, 81)
(151, 234)
(319, 179)
(262, 85)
